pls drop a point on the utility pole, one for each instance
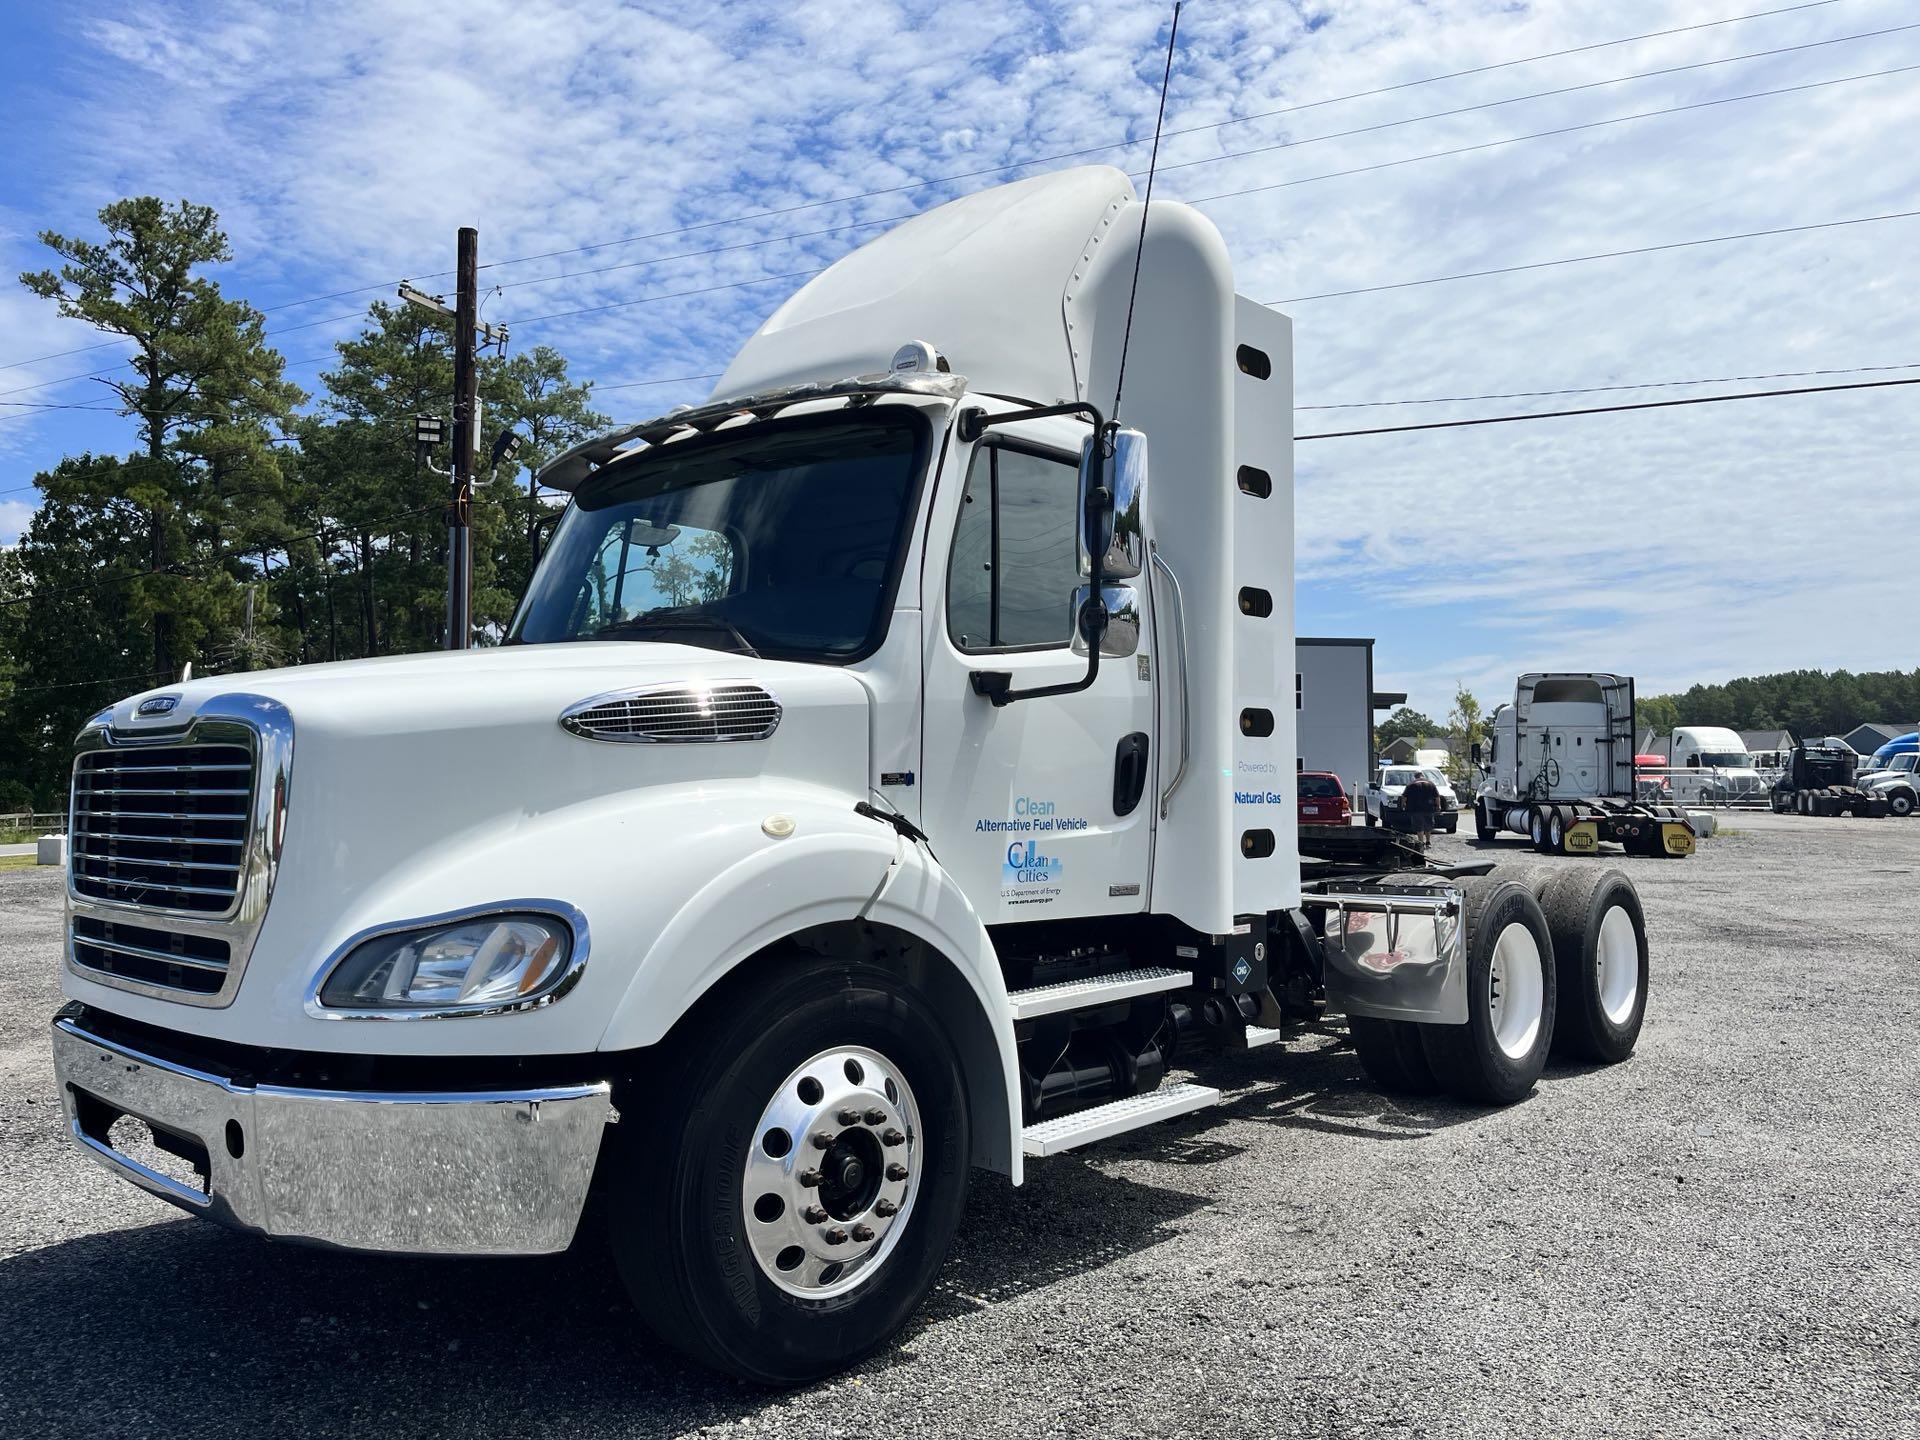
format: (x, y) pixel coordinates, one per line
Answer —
(466, 419)
(468, 333)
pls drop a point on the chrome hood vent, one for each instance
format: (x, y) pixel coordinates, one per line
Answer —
(676, 714)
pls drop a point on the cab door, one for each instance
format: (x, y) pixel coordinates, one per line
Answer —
(1039, 808)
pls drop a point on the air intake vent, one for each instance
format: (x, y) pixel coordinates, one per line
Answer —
(676, 713)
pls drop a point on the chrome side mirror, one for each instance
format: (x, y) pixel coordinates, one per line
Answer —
(1120, 625)
(1113, 526)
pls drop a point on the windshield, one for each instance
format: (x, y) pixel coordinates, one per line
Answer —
(1726, 760)
(784, 540)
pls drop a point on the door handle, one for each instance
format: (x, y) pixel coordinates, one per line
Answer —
(1129, 772)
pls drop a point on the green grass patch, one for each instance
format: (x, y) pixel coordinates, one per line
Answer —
(18, 862)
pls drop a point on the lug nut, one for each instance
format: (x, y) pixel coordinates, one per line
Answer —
(848, 1117)
(876, 1116)
(822, 1140)
(895, 1171)
(890, 1137)
(809, 1178)
(814, 1215)
(885, 1207)
(863, 1233)
(835, 1236)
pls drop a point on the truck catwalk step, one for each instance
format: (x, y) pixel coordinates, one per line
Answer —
(1258, 1035)
(1116, 1117)
(1100, 990)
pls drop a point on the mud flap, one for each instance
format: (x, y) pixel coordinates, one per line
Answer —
(1676, 839)
(1394, 951)
(1582, 838)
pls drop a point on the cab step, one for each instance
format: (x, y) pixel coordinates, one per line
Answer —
(1258, 1035)
(1097, 990)
(1116, 1117)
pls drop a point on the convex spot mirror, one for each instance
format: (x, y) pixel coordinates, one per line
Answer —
(1113, 523)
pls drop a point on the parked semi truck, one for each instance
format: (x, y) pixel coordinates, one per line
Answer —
(1818, 779)
(881, 778)
(1711, 765)
(1559, 768)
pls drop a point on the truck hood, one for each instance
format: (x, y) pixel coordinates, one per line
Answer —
(396, 758)
(485, 690)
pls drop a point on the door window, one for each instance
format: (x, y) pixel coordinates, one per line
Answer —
(1016, 559)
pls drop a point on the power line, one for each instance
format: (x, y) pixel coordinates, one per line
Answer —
(673, 295)
(1187, 164)
(280, 544)
(1562, 130)
(1301, 180)
(1538, 95)
(1601, 255)
(1141, 140)
(1001, 169)
(78, 684)
(1203, 199)
(640, 384)
(1606, 409)
(1602, 389)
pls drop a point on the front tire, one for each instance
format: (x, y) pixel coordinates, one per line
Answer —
(743, 1240)
(1496, 1057)
(1482, 827)
(1900, 802)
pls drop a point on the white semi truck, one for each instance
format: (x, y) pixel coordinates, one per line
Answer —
(880, 779)
(1558, 768)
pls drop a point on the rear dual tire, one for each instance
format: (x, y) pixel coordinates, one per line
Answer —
(1496, 1057)
(1599, 939)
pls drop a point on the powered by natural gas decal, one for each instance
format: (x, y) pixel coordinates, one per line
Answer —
(1254, 791)
(1030, 869)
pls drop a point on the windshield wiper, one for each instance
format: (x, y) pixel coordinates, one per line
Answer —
(677, 620)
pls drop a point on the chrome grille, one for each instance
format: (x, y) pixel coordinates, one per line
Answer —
(670, 713)
(163, 828)
(194, 963)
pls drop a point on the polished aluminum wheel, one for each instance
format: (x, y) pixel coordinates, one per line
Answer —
(1516, 991)
(829, 1181)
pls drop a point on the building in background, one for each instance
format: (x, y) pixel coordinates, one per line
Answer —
(1865, 739)
(1334, 703)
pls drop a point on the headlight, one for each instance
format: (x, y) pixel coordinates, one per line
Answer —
(479, 965)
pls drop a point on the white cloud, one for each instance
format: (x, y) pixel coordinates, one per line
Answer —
(14, 515)
(345, 142)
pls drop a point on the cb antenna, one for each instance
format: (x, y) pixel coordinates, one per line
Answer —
(1146, 204)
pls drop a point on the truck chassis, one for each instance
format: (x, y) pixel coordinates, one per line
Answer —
(1580, 827)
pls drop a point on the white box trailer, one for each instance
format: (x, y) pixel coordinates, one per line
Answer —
(881, 779)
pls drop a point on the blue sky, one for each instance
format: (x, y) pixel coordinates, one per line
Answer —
(343, 143)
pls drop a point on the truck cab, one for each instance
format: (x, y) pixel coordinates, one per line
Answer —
(1711, 765)
(884, 775)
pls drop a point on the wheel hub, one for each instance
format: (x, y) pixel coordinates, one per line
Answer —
(828, 1183)
(1516, 991)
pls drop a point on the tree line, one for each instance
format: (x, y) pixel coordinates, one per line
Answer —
(251, 523)
(1809, 703)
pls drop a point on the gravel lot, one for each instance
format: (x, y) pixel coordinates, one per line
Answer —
(1717, 1238)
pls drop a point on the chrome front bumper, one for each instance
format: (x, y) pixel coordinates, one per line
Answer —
(476, 1173)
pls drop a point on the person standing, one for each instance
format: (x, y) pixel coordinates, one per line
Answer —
(1421, 801)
